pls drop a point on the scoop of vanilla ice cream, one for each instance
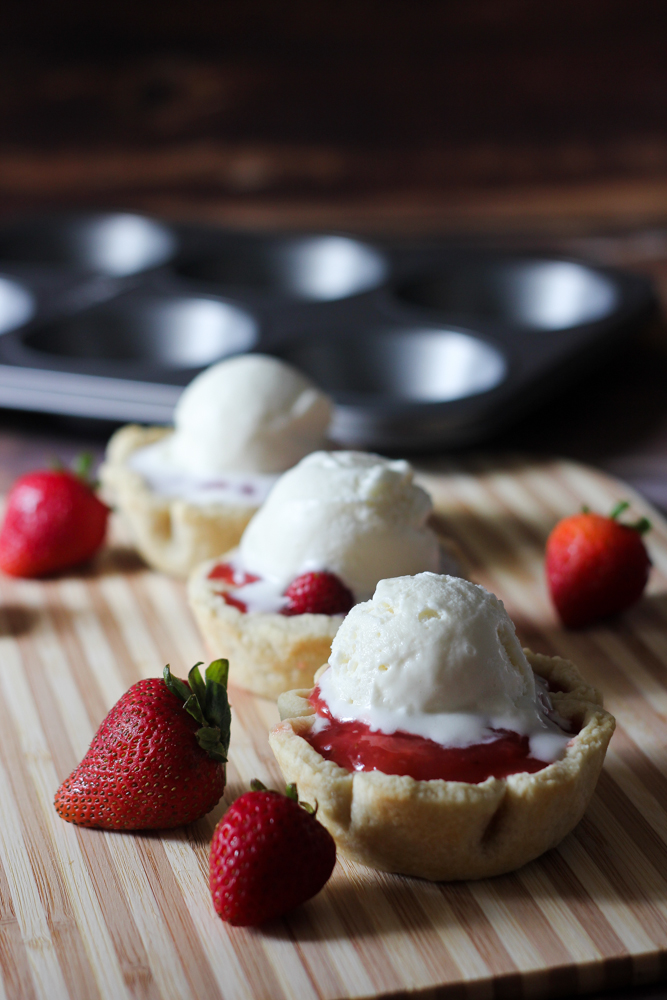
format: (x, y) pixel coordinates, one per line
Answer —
(251, 413)
(434, 655)
(353, 514)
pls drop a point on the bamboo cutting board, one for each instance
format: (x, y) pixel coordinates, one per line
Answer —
(88, 914)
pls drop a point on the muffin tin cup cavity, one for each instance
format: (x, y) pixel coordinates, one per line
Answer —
(308, 268)
(408, 365)
(113, 244)
(149, 330)
(533, 294)
(421, 347)
(17, 305)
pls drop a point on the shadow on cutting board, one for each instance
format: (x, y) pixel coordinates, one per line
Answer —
(356, 904)
(16, 620)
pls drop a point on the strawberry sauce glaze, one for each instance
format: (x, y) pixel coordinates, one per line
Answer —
(229, 573)
(354, 746)
(238, 578)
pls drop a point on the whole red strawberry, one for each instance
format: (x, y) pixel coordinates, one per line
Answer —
(596, 566)
(268, 855)
(318, 594)
(53, 521)
(158, 759)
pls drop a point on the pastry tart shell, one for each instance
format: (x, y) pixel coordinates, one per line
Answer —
(268, 653)
(172, 535)
(448, 830)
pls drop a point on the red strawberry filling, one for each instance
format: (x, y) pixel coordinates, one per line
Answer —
(354, 746)
(230, 574)
(235, 603)
(237, 578)
(311, 593)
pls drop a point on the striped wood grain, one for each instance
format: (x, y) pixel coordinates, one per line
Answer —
(89, 914)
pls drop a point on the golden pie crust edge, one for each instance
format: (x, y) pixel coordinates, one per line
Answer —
(268, 653)
(172, 535)
(447, 830)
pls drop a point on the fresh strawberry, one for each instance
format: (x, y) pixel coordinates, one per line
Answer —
(318, 594)
(158, 759)
(596, 566)
(268, 854)
(53, 521)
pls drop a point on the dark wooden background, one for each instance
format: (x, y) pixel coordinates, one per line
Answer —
(376, 114)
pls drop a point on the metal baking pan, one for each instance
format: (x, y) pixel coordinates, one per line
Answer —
(109, 315)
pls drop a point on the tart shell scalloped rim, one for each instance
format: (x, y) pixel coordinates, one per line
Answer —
(172, 535)
(449, 830)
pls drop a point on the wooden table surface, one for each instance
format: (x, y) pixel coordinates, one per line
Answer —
(95, 915)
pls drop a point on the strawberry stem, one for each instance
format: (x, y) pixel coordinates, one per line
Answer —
(82, 465)
(642, 525)
(208, 704)
(290, 792)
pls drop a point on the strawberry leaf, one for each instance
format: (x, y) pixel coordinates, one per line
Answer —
(291, 792)
(176, 685)
(642, 525)
(208, 704)
(217, 715)
(82, 465)
(219, 712)
(214, 741)
(216, 705)
(193, 708)
(197, 685)
(218, 671)
(215, 753)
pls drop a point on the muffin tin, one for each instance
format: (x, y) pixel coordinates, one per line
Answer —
(110, 315)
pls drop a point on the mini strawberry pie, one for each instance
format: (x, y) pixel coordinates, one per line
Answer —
(187, 493)
(433, 744)
(330, 529)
